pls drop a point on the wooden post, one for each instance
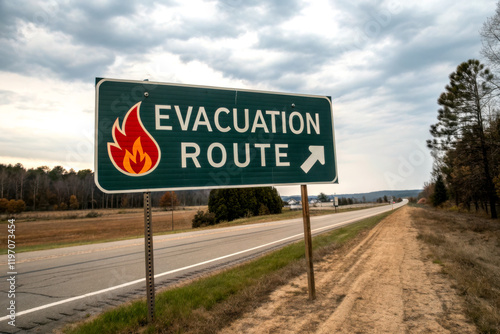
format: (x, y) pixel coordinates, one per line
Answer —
(148, 246)
(308, 242)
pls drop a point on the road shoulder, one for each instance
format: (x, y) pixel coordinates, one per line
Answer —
(385, 284)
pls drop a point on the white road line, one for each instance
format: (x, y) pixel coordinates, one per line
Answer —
(157, 239)
(90, 294)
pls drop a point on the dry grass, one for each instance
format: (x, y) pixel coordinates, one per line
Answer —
(55, 228)
(468, 247)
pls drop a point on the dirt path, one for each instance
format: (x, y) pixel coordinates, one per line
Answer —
(386, 284)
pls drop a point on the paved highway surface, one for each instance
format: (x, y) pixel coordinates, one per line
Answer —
(57, 286)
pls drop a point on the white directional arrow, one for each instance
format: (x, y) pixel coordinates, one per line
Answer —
(317, 154)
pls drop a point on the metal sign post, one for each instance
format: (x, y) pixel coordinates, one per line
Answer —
(148, 244)
(308, 242)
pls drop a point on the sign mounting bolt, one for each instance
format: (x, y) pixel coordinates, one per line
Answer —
(293, 105)
(146, 94)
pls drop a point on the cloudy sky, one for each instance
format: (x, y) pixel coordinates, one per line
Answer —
(384, 63)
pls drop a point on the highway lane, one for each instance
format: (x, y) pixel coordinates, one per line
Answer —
(60, 285)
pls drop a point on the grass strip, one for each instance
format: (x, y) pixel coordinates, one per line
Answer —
(208, 304)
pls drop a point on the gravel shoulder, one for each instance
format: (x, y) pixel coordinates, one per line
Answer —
(387, 283)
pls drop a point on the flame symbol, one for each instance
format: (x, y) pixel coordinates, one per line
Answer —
(134, 151)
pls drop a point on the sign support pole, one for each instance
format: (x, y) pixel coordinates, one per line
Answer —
(308, 242)
(148, 245)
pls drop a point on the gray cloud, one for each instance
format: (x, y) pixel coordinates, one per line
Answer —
(98, 31)
(107, 30)
(7, 97)
(89, 28)
(385, 64)
(14, 144)
(258, 13)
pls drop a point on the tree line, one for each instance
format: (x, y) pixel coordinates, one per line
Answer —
(466, 137)
(322, 197)
(234, 203)
(43, 188)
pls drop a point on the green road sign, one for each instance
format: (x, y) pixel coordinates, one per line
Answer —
(155, 136)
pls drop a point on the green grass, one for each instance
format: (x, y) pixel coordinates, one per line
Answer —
(181, 308)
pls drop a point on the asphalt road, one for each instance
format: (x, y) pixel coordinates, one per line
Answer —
(54, 287)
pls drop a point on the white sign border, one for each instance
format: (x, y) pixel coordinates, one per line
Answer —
(100, 81)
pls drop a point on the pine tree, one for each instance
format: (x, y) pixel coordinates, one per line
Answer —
(322, 197)
(461, 123)
(440, 194)
(230, 204)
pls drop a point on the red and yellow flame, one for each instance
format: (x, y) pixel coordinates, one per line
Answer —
(134, 151)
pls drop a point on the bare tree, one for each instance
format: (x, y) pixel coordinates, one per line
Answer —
(490, 35)
(35, 185)
(3, 179)
(18, 176)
